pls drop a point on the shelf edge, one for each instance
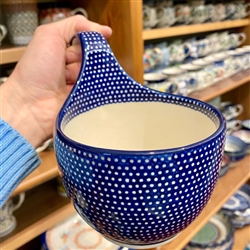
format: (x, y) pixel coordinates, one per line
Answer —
(192, 29)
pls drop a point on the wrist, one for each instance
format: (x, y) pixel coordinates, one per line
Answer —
(16, 110)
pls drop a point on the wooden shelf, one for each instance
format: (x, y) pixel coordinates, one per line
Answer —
(222, 86)
(241, 238)
(225, 188)
(42, 209)
(192, 29)
(10, 54)
(46, 171)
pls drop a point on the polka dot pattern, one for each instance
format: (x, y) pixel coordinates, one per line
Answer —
(133, 198)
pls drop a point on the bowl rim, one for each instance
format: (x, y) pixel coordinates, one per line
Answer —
(239, 141)
(218, 131)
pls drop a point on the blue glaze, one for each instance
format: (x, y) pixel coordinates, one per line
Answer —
(135, 198)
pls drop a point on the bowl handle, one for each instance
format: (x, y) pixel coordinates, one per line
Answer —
(96, 54)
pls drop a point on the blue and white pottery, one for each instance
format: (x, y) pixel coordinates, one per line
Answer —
(154, 78)
(244, 135)
(235, 148)
(240, 201)
(141, 165)
(246, 124)
(75, 234)
(218, 233)
(238, 207)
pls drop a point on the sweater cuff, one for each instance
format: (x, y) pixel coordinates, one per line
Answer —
(18, 158)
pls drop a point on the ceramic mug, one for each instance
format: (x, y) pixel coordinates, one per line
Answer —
(7, 220)
(211, 13)
(237, 60)
(182, 13)
(198, 77)
(221, 13)
(166, 16)
(178, 52)
(241, 10)
(150, 16)
(177, 79)
(233, 126)
(236, 39)
(217, 41)
(50, 15)
(21, 20)
(155, 57)
(198, 14)
(232, 111)
(204, 47)
(230, 11)
(3, 32)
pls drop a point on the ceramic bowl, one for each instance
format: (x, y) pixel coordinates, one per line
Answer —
(235, 148)
(218, 233)
(246, 124)
(140, 165)
(238, 207)
(154, 78)
(244, 135)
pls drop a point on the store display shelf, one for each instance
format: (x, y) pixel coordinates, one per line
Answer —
(46, 171)
(192, 29)
(42, 209)
(225, 188)
(10, 54)
(222, 86)
(241, 238)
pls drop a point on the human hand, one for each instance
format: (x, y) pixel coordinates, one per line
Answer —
(43, 78)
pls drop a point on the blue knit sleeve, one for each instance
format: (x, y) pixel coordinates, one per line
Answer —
(18, 158)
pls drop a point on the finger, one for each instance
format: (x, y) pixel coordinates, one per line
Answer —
(68, 27)
(73, 54)
(72, 72)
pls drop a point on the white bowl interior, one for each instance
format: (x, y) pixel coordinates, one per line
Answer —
(173, 71)
(140, 126)
(154, 77)
(190, 66)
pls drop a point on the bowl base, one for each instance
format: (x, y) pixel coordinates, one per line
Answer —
(146, 246)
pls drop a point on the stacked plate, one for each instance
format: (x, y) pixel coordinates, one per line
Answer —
(218, 233)
(74, 233)
(238, 207)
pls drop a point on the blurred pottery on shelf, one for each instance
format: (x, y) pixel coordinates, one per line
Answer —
(3, 33)
(7, 219)
(218, 233)
(50, 15)
(238, 207)
(235, 148)
(21, 18)
(244, 135)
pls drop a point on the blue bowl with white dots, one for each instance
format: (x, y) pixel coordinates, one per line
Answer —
(138, 165)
